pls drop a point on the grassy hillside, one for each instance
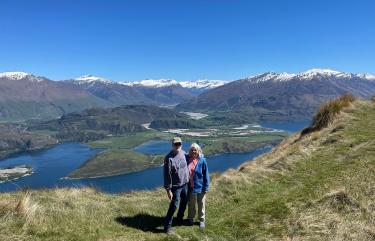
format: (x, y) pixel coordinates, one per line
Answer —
(319, 186)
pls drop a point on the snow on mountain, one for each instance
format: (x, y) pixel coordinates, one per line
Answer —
(308, 75)
(152, 83)
(20, 75)
(198, 84)
(202, 84)
(272, 76)
(366, 76)
(324, 73)
(91, 79)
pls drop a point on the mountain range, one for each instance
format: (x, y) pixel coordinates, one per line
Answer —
(26, 96)
(282, 96)
(149, 91)
(268, 96)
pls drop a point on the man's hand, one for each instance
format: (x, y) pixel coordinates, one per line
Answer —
(170, 194)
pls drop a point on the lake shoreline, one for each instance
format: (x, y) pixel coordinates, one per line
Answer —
(13, 173)
(13, 153)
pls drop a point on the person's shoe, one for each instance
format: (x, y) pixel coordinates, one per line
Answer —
(202, 225)
(190, 222)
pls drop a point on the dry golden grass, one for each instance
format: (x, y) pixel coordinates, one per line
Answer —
(328, 111)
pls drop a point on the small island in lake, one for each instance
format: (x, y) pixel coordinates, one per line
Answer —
(12, 173)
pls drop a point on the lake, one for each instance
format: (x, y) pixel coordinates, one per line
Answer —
(51, 165)
(286, 126)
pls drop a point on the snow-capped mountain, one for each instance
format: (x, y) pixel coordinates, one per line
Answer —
(24, 96)
(148, 91)
(152, 83)
(185, 89)
(20, 76)
(197, 85)
(91, 79)
(282, 95)
(163, 91)
(203, 84)
(308, 75)
(159, 83)
(112, 91)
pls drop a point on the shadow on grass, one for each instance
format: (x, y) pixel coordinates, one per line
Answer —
(144, 222)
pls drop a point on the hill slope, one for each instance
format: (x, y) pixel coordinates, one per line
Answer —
(111, 91)
(96, 123)
(14, 138)
(315, 187)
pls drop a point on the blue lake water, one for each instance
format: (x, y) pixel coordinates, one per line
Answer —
(287, 126)
(51, 165)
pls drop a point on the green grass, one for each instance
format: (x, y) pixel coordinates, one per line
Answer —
(318, 187)
(219, 145)
(328, 111)
(130, 140)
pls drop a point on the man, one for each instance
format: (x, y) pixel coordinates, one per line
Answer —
(176, 177)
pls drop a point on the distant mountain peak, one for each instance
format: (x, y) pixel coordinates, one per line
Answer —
(203, 84)
(321, 71)
(14, 75)
(152, 83)
(92, 79)
(18, 75)
(158, 83)
(307, 75)
(271, 76)
(366, 76)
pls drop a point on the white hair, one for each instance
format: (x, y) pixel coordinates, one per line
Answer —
(198, 148)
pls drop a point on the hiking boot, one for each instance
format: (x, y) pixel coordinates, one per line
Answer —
(202, 225)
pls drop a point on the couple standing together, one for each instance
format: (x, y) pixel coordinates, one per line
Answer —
(186, 180)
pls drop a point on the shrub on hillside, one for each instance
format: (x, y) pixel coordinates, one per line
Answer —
(327, 113)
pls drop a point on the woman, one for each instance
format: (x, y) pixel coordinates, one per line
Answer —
(199, 182)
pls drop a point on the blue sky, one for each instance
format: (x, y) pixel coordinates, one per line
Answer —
(185, 40)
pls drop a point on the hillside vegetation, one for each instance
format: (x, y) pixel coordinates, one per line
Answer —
(98, 123)
(317, 186)
(15, 138)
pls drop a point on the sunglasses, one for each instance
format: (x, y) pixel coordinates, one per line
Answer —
(177, 144)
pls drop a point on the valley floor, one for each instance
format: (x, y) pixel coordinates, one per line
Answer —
(316, 187)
